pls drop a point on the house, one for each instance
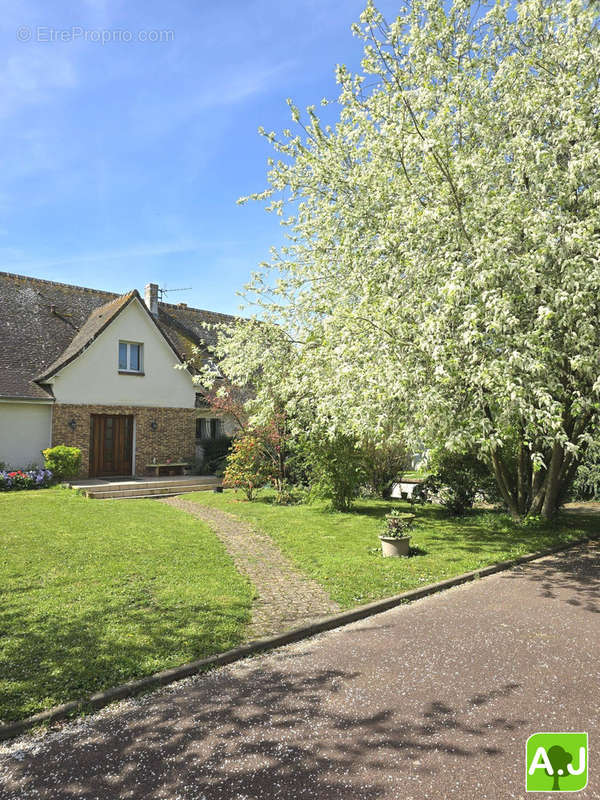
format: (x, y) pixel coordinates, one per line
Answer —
(97, 370)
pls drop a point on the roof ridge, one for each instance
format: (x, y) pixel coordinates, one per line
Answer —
(59, 283)
(129, 294)
(185, 307)
(89, 289)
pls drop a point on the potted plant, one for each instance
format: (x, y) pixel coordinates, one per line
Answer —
(395, 539)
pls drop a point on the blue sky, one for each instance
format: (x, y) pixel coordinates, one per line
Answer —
(121, 162)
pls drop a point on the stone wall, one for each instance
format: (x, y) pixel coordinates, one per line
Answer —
(174, 437)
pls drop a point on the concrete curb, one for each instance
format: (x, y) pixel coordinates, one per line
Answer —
(100, 699)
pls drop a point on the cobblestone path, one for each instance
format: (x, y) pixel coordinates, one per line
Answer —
(285, 598)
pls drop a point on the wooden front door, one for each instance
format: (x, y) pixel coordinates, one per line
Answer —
(111, 444)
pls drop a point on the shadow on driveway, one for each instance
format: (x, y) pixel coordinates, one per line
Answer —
(260, 736)
(573, 579)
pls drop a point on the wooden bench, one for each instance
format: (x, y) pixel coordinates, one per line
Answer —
(175, 468)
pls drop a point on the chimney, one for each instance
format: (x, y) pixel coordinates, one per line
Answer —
(151, 298)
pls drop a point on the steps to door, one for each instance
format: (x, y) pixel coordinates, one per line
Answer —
(155, 488)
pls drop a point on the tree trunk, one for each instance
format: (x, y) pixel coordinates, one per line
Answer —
(569, 470)
(538, 490)
(531, 492)
(553, 483)
(523, 479)
(503, 485)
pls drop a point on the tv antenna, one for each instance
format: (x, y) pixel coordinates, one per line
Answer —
(162, 292)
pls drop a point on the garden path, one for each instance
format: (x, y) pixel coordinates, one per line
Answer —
(285, 598)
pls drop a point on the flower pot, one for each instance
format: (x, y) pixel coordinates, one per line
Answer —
(393, 548)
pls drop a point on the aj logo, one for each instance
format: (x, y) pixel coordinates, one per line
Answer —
(557, 762)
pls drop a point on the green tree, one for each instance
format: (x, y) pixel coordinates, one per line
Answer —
(336, 469)
(247, 468)
(444, 240)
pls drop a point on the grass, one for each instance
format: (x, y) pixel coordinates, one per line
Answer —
(94, 593)
(341, 550)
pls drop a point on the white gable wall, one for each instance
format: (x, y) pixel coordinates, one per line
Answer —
(25, 430)
(93, 377)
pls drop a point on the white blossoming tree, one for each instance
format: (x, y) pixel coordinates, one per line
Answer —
(443, 257)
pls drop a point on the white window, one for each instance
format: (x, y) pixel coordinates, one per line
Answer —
(131, 357)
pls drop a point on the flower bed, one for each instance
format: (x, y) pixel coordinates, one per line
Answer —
(18, 479)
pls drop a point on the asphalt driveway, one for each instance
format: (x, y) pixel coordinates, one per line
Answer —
(431, 700)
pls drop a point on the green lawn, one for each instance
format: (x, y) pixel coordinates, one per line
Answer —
(341, 550)
(94, 593)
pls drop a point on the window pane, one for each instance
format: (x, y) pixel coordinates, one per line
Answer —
(134, 357)
(122, 355)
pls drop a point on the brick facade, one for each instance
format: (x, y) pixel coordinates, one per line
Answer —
(174, 437)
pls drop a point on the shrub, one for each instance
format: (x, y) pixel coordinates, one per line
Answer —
(421, 494)
(336, 470)
(383, 466)
(246, 468)
(20, 479)
(276, 443)
(456, 480)
(63, 461)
